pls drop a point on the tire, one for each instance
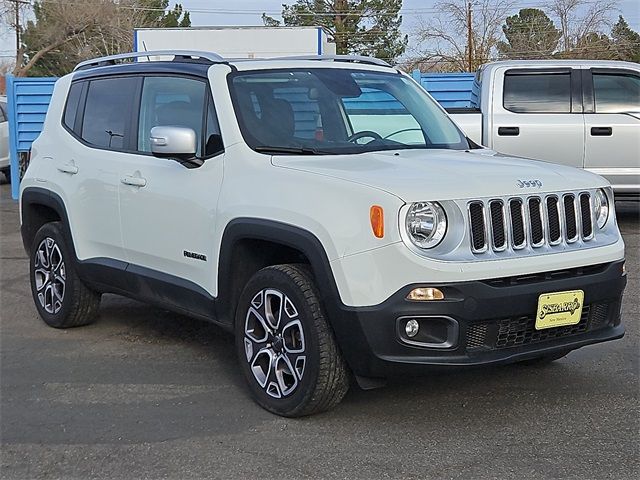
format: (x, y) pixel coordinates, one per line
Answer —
(7, 174)
(62, 300)
(285, 346)
(545, 359)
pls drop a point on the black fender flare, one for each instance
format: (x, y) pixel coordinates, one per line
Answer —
(344, 320)
(247, 228)
(47, 198)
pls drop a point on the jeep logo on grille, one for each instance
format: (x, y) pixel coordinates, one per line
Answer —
(529, 183)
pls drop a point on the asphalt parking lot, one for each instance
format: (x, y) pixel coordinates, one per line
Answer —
(144, 393)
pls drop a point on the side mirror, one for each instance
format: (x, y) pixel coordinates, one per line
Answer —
(173, 142)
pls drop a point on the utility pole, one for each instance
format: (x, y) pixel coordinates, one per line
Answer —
(17, 12)
(469, 37)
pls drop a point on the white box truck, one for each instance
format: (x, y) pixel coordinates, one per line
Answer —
(238, 42)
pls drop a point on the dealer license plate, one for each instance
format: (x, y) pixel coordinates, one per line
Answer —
(559, 309)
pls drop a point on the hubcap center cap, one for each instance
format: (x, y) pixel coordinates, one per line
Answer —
(278, 344)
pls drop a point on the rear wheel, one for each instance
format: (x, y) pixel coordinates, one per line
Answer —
(61, 298)
(285, 346)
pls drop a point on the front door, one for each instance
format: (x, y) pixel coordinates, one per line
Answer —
(167, 209)
(539, 116)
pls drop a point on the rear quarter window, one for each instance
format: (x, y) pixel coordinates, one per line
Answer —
(71, 108)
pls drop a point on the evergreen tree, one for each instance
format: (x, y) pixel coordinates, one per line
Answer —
(530, 34)
(362, 27)
(625, 41)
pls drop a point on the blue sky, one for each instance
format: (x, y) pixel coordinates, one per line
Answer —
(248, 12)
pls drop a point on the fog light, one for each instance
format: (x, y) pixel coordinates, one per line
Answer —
(425, 294)
(411, 328)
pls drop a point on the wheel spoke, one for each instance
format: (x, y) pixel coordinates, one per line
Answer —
(262, 366)
(273, 303)
(299, 366)
(287, 380)
(293, 337)
(42, 278)
(255, 327)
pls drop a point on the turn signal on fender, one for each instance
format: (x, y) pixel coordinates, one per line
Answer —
(376, 214)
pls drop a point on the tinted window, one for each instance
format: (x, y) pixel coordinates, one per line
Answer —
(107, 113)
(616, 93)
(71, 109)
(171, 101)
(3, 110)
(538, 93)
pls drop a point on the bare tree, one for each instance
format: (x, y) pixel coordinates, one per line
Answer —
(448, 41)
(580, 20)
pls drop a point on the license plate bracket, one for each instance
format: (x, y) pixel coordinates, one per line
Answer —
(559, 309)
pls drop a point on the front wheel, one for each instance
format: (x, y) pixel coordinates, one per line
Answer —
(285, 345)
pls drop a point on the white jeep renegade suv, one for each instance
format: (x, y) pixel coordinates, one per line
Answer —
(324, 209)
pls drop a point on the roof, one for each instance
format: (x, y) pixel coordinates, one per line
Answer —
(560, 63)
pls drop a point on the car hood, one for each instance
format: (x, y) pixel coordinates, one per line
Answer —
(416, 175)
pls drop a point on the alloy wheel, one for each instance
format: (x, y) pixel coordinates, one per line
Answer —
(274, 343)
(50, 275)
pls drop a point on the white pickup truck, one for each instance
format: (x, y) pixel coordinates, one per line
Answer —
(580, 113)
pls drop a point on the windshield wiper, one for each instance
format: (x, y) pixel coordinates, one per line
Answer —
(289, 150)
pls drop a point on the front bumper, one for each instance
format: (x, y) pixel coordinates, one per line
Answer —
(480, 322)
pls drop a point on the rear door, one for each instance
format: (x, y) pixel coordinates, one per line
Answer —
(612, 127)
(538, 114)
(86, 165)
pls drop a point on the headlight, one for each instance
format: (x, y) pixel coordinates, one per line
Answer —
(601, 208)
(426, 224)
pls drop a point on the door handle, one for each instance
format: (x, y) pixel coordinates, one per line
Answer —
(601, 131)
(508, 131)
(134, 181)
(69, 168)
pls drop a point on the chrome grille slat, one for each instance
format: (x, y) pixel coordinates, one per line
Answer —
(530, 222)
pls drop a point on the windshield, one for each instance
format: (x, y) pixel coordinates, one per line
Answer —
(333, 111)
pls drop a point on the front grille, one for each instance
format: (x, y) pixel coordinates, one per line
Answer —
(497, 225)
(533, 221)
(553, 220)
(585, 212)
(570, 218)
(518, 331)
(522, 331)
(479, 238)
(535, 215)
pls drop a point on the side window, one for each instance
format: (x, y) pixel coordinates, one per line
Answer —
(213, 138)
(171, 101)
(616, 93)
(107, 112)
(537, 92)
(3, 110)
(71, 109)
